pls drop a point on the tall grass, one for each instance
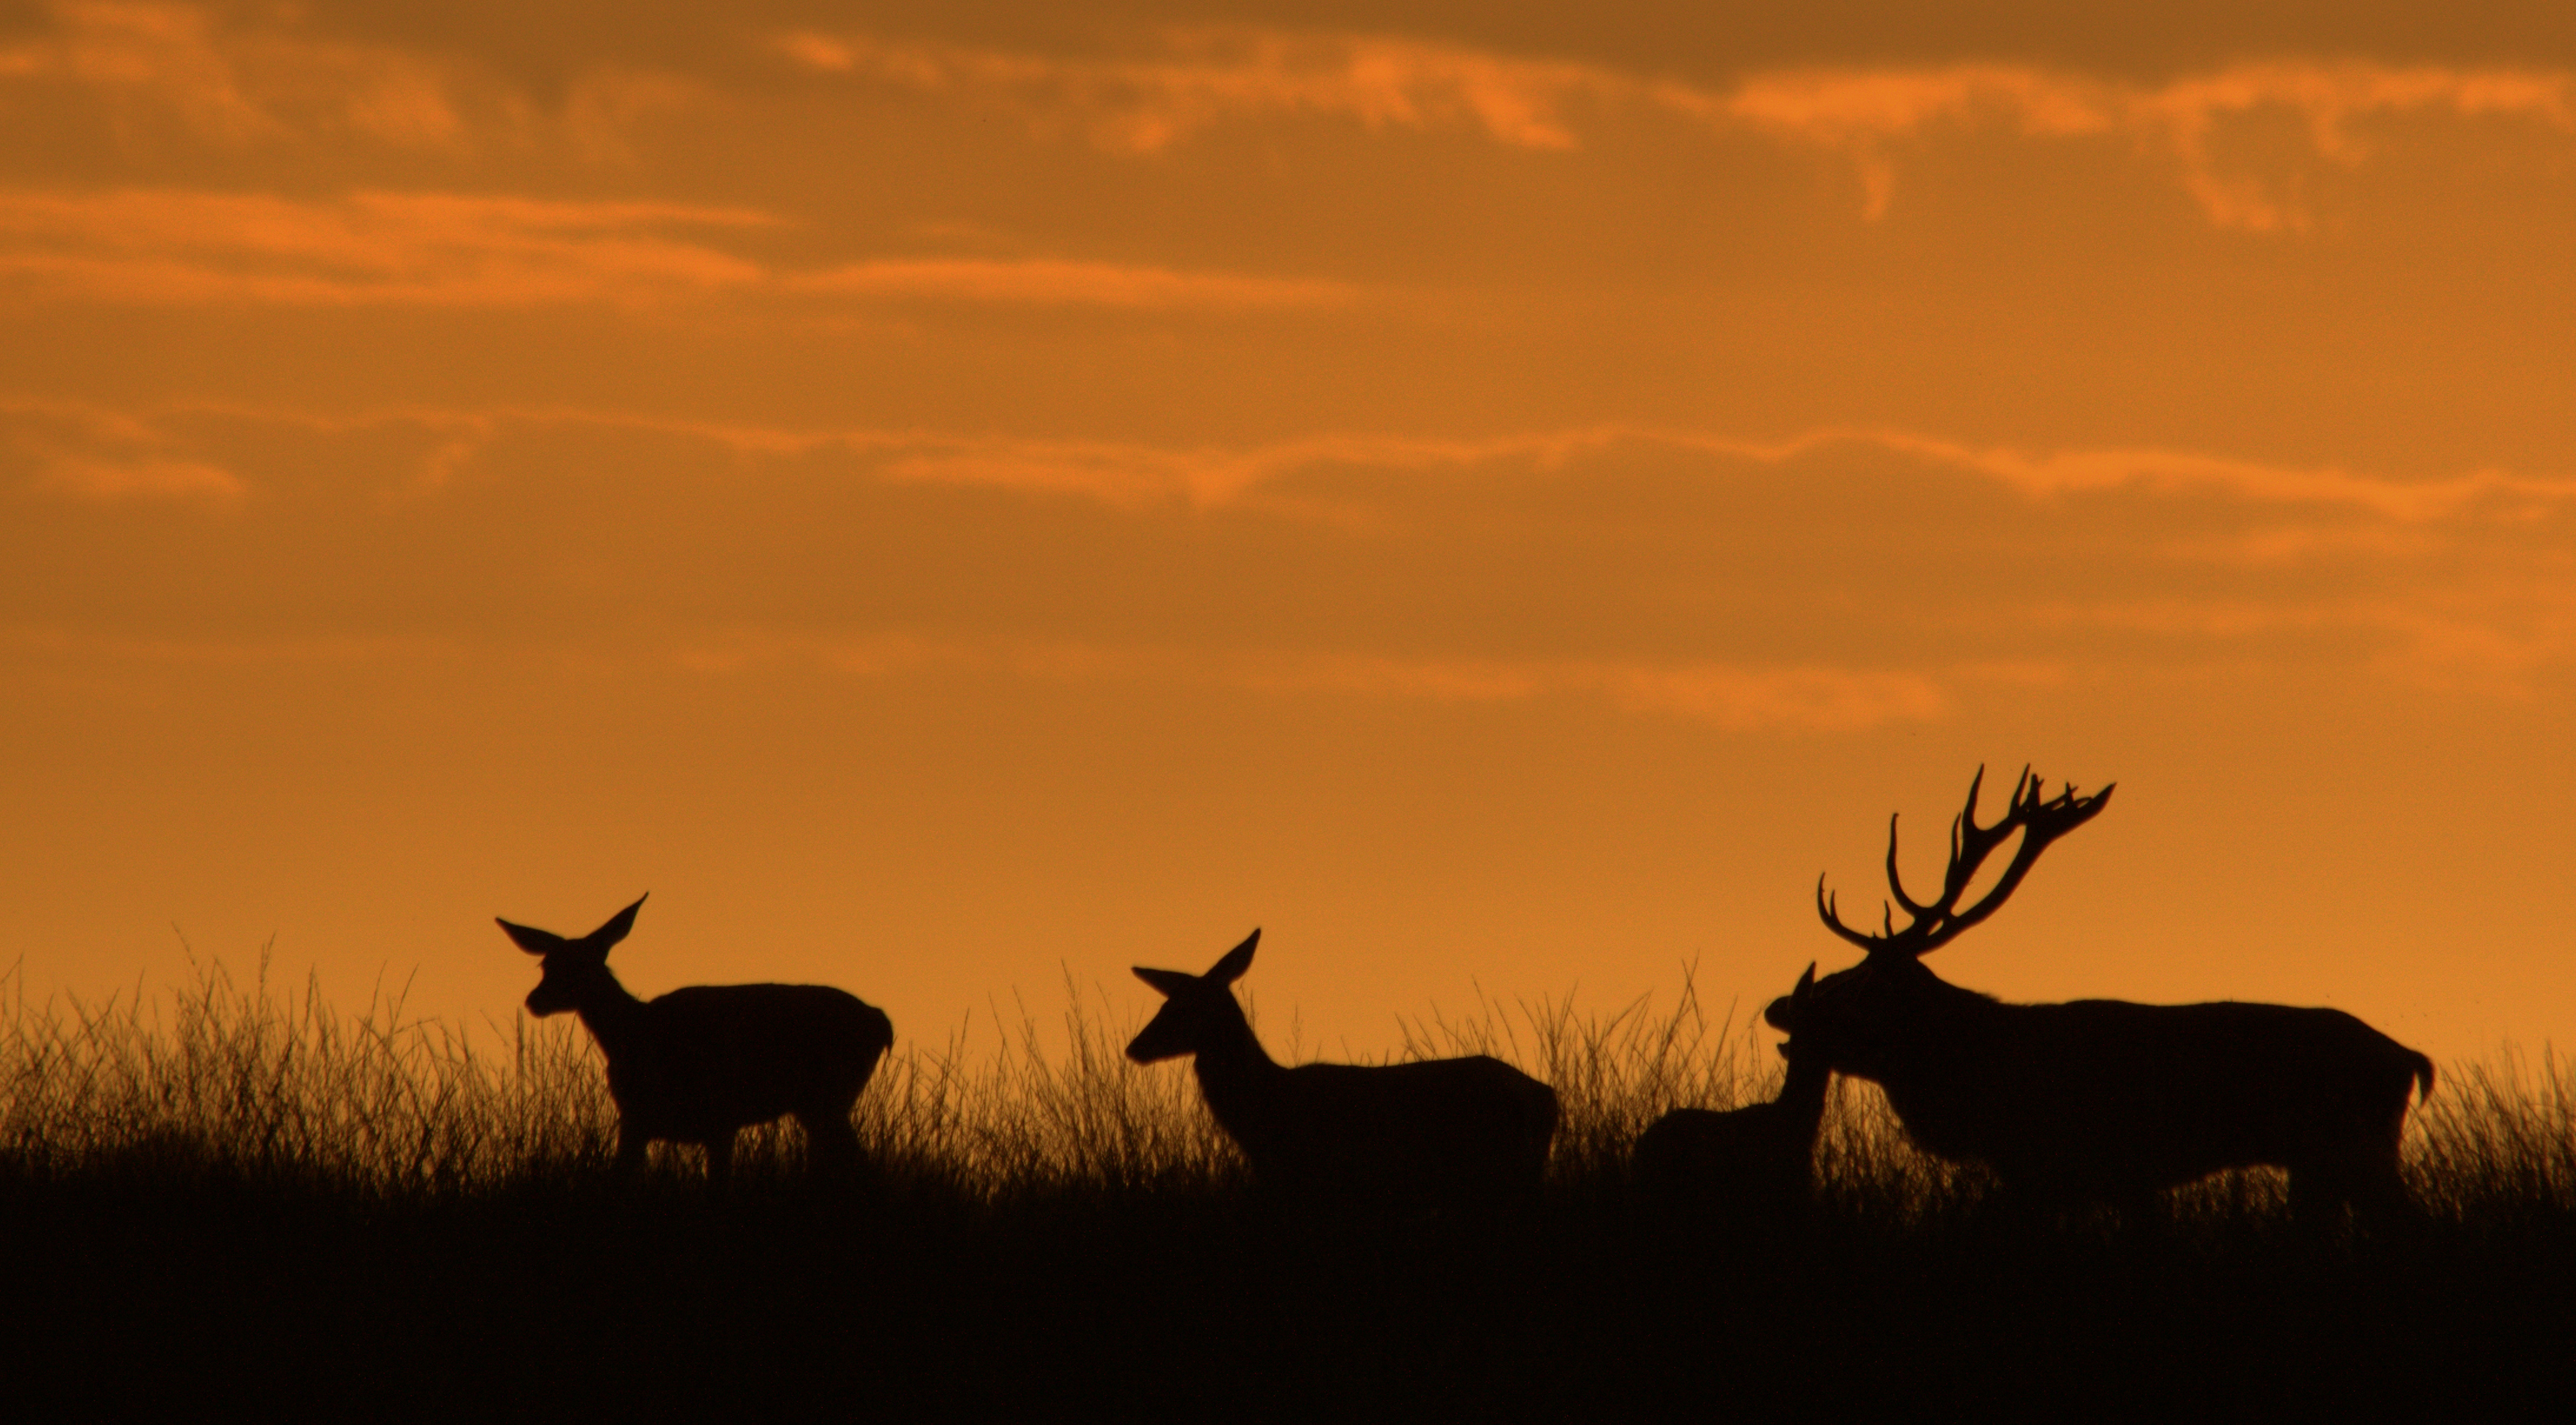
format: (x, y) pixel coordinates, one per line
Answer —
(2498, 1140)
(251, 1082)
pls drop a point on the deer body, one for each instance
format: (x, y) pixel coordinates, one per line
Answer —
(2104, 1100)
(1436, 1130)
(1757, 1160)
(700, 1064)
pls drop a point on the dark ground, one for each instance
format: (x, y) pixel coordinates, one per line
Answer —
(187, 1298)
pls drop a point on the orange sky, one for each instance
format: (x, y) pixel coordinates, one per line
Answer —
(944, 495)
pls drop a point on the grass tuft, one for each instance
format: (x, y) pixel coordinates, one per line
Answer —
(232, 1192)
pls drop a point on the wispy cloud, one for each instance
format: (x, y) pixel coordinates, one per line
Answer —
(233, 86)
(1056, 282)
(1130, 474)
(2282, 546)
(144, 476)
(1204, 77)
(235, 77)
(2489, 636)
(103, 455)
(2077, 471)
(1197, 79)
(159, 246)
(1732, 697)
(1826, 699)
(61, 641)
(2189, 561)
(1863, 111)
(2496, 646)
(500, 251)
(1138, 475)
(1737, 699)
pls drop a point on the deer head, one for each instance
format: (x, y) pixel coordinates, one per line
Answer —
(1788, 1012)
(573, 972)
(1198, 1010)
(1865, 1010)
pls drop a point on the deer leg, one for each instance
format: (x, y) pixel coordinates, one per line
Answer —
(2023, 1207)
(2320, 1194)
(2380, 1187)
(2372, 1187)
(630, 1151)
(2380, 1201)
(2139, 1207)
(831, 1144)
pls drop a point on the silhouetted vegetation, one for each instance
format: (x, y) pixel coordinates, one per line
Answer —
(235, 1193)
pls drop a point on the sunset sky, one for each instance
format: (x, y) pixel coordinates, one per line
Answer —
(949, 495)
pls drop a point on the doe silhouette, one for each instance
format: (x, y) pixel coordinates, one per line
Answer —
(2103, 1100)
(699, 1064)
(1433, 1132)
(1754, 1162)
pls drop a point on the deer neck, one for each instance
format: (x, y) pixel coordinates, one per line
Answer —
(1930, 999)
(1947, 1048)
(1958, 1010)
(1802, 1092)
(613, 1016)
(1239, 1078)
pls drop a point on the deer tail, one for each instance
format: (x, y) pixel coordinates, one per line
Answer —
(2423, 1079)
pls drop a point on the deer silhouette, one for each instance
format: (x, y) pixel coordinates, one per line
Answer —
(1755, 1162)
(2103, 1100)
(699, 1064)
(1432, 1132)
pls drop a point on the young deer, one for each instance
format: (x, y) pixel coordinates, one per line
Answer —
(1755, 1161)
(698, 1064)
(1438, 1131)
(2103, 1100)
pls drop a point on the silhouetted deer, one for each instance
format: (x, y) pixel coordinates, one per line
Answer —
(2103, 1100)
(698, 1064)
(1757, 1161)
(1430, 1132)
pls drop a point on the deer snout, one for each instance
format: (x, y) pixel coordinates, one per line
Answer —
(1150, 1047)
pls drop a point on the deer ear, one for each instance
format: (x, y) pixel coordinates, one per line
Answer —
(529, 938)
(1167, 982)
(1236, 961)
(1806, 982)
(616, 928)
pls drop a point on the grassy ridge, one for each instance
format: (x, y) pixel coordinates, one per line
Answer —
(276, 1085)
(235, 1191)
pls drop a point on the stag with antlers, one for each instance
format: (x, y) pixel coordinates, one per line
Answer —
(2101, 1100)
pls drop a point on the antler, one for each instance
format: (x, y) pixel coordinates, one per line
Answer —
(1929, 927)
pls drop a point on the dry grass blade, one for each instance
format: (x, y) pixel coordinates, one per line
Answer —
(258, 1084)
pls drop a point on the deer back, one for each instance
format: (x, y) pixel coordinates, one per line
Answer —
(2103, 1095)
(711, 1058)
(1422, 1127)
